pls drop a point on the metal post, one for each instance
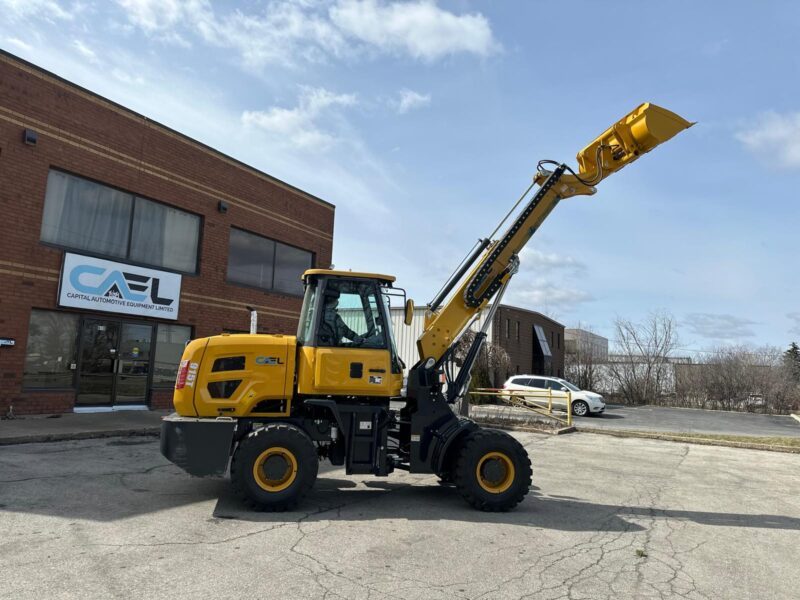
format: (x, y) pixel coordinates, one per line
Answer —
(569, 409)
(253, 319)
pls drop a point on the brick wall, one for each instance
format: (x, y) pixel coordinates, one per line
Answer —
(520, 350)
(97, 139)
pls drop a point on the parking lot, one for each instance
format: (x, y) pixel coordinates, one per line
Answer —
(606, 518)
(688, 420)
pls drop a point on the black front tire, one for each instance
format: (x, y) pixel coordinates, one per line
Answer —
(493, 471)
(282, 482)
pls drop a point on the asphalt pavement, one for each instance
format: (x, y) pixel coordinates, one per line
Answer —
(688, 420)
(606, 517)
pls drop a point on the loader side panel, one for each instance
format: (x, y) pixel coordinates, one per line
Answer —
(246, 375)
(346, 372)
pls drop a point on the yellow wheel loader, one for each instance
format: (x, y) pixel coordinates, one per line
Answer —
(271, 407)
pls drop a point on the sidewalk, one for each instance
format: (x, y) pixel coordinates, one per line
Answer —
(71, 426)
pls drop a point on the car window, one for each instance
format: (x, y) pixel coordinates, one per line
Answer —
(521, 381)
(538, 383)
(570, 386)
(555, 386)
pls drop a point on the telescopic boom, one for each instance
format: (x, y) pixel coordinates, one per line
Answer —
(495, 261)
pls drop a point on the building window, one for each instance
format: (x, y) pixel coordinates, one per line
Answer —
(170, 342)
(87, 216)
(518, 330)
(164, 236)
(264, 263)
(50, 354)
(558, 339)
(508, 328)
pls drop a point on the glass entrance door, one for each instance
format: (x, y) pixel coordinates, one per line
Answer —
(98, 362)
(133, 364)
(114, 363)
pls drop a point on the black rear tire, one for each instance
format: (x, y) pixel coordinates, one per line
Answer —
(493, 471)
(274, 467)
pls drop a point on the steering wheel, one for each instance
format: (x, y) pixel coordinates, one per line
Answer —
(370, 332)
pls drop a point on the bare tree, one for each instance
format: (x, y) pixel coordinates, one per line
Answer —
(491, 365)
(640, 369)
(739, 378)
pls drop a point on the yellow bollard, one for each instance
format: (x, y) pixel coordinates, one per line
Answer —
(550, 400)
(569, 409)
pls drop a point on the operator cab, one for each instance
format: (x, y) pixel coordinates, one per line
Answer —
(345, 340)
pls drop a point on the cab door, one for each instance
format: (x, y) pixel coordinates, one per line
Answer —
(348, 352)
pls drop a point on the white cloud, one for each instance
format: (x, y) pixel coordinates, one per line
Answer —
(85, 51)
(544, 295)
(162, 18)
(534, 259)
(287, 32)
(284, 33)
(410, 100)
(420, 29)
(718, 326)
(160, 15)
(794, 316)
(300, 125)
(775, 138)
(18, 43)
(126, 78)
(49, 10)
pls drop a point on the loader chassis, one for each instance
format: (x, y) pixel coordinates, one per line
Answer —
(269, 407)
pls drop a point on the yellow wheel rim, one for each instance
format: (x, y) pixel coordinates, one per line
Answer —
(284, 478)
(499, 479)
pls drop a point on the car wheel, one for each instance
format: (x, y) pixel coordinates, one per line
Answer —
(580, 408)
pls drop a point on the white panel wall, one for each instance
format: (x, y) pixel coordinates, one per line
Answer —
(406, 335)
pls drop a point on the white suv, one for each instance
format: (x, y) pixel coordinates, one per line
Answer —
(583, 403)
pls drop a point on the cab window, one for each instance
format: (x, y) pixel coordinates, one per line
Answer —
(351, 316)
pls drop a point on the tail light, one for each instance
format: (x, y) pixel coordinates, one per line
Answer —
(183, 371)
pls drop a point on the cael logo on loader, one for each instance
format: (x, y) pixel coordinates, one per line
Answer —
(268, 360)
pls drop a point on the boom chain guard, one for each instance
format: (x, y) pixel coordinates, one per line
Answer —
(470, 299)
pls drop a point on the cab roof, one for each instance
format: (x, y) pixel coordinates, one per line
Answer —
(350, 274)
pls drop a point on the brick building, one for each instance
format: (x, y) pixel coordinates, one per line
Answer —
(534, 343)
(121, 239)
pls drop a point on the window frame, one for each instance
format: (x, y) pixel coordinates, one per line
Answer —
(320, 313)
(126, 260)
(270, 290)
(76, 348)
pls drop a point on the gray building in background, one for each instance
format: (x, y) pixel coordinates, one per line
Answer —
(591, 345)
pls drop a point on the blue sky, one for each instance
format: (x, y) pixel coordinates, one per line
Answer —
(423, 121)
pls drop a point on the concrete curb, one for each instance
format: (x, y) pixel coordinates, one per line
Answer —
(523, 426)
(79, 435)
(667, 437)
